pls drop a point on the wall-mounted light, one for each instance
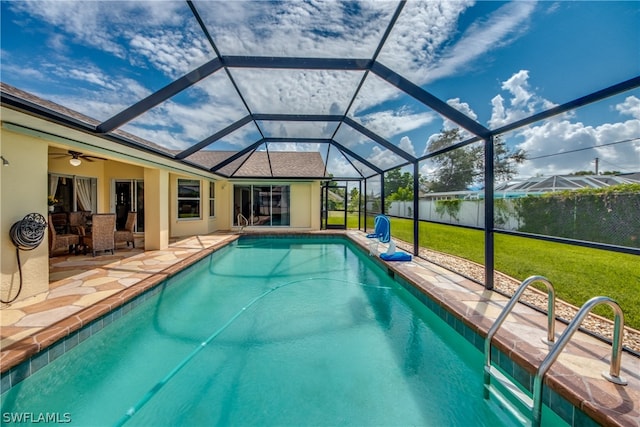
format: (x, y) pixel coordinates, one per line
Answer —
(75, 161)
(5, 162)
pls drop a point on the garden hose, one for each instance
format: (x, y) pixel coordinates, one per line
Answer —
(26, 235)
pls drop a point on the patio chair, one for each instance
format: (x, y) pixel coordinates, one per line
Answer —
(102, 233)
(60, 221)
(77, 221)
(61, 241)
(126, 235)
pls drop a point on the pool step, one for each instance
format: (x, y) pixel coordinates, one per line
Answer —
(509, 397)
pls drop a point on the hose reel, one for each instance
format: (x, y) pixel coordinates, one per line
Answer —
(26, 235)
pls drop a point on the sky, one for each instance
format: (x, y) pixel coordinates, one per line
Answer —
(497, 62)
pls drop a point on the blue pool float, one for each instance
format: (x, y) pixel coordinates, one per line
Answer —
(396, 256)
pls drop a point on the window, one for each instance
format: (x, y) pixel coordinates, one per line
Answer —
(73, 193)
(212, 199)
(188, 198)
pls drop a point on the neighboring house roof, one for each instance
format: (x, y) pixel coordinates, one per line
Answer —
(257, 164)
(541, 184)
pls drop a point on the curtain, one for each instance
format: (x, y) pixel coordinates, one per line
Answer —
(53, 185)
(83, 193)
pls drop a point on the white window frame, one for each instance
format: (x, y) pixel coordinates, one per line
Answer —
(212, 199)
(179, 199)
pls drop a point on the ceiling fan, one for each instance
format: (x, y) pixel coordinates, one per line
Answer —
(76, 156)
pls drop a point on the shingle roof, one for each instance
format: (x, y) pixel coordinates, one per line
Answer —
(277, 164)
(567, 182)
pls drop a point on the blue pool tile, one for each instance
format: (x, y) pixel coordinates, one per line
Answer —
(20, 372)
(38, 361)
(523, 377)
(84, 334)
(107, 319)
(505, 363)
(560, 406)
(56, 351)
(96, 326)
(5, 381)
(581, 419)
(71, 341)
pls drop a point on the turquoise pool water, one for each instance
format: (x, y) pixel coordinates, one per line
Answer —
(268, 332)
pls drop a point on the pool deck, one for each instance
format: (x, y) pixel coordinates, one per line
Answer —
(84, 288)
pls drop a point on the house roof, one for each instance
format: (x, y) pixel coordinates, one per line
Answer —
(276, 164)
(543, 184)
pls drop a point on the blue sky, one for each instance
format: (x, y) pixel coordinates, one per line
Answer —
(495, 61)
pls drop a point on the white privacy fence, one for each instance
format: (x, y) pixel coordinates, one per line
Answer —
(459, 212)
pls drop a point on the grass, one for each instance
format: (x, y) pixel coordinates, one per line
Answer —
(577, 273)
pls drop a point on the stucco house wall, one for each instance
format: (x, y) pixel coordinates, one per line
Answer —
(24, 190)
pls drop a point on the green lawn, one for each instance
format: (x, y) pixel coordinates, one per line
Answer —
(577, 273)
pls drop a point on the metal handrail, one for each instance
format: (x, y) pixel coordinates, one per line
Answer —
(505, 312)
(240, 218)
(616, 352)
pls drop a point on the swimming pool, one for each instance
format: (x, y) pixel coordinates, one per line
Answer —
(268, 332)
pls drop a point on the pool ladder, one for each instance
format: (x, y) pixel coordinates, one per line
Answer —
(534, 403)
(241, 218)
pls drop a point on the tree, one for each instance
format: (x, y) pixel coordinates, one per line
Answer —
(460, 168)
(404, 194)
(579, 173)
(504, 160)
(397, 186)
(394, 180)
(456, 169)
(354, 200)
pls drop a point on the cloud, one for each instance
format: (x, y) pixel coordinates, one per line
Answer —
(464, 108)
(167, 37)
(317, 28)
(521, 103)
(91, 76)
(407, 145)
(288, 129)
(339, 167)
(630, 106)
(427, 31)
(383, 158)
(419, 36)
(502, 27)
(297, 91)
(389, 123)
(518, 86)
(617, 145)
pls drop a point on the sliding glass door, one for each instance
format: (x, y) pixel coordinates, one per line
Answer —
(129, 197)
(261, 205)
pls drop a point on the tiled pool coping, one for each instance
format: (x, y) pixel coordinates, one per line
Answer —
(580, 399)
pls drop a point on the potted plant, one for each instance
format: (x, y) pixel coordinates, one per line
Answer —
(51, 201)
